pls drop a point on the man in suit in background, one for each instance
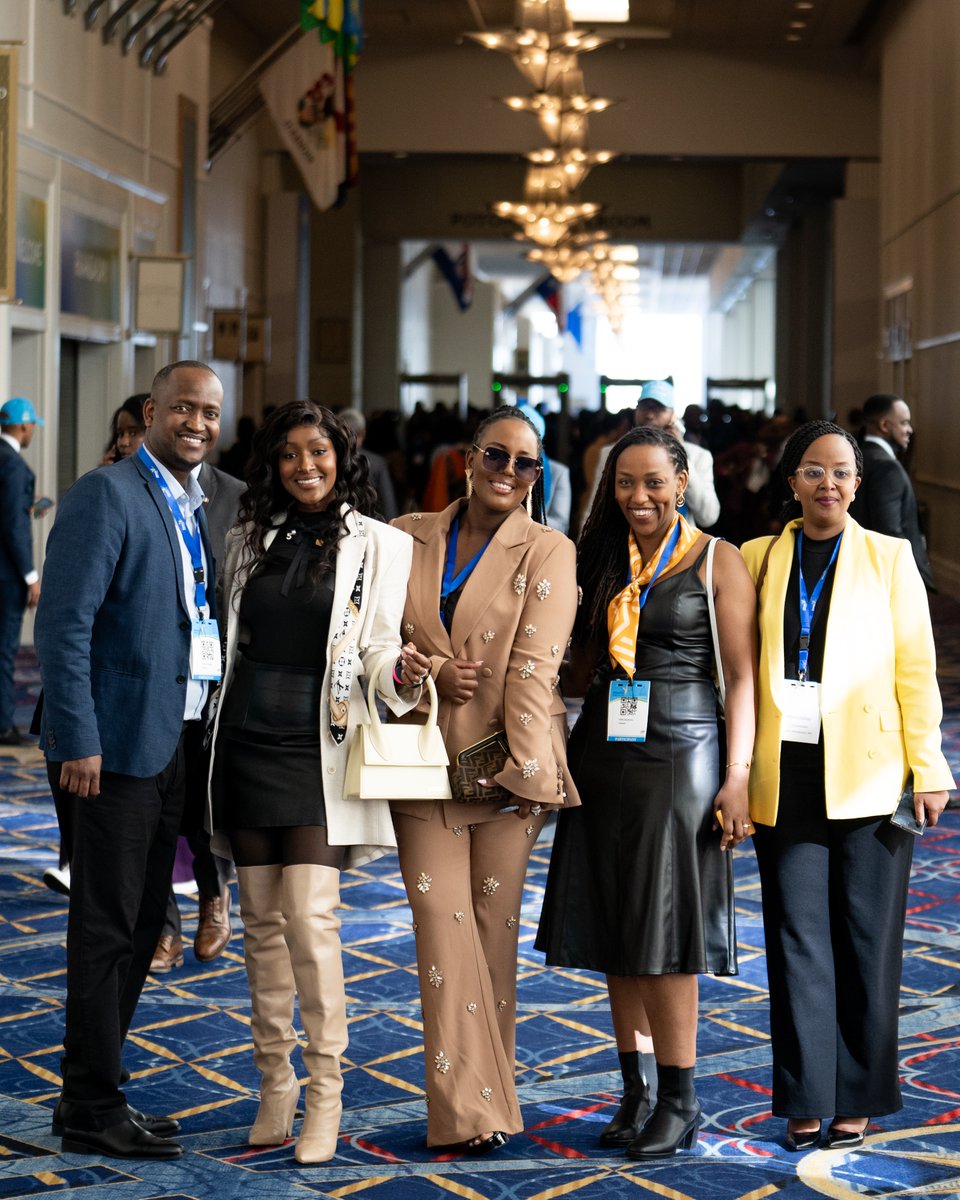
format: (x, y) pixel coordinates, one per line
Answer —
(126, 653)
(221, 502)
(19, 582)
(885, 500)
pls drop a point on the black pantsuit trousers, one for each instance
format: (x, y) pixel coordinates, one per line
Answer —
(124, 842)
(834, 899)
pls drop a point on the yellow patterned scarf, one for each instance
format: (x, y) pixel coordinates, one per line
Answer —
(623, 611)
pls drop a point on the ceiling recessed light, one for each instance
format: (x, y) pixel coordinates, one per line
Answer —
(803, 5)
(798, 24)
(599, 10)
(794, 37)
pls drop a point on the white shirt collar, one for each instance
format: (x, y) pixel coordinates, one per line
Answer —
(879, 441)
(193, 492)
(11, 441)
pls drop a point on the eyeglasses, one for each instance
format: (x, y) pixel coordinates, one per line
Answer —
(495, 461)
(817, 474)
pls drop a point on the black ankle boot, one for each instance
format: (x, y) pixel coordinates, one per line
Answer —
(635, 1105)
(675, 1122)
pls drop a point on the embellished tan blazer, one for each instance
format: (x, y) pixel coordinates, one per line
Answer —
(515, 613)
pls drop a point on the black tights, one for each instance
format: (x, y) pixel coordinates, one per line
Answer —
(287, 845)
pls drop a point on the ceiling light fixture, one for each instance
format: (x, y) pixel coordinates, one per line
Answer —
(599, 10)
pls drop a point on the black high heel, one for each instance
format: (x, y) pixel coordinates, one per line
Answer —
(635, 1105)
(845, 1139)
(675, 1123)
(804, 1139)
(477, 1148)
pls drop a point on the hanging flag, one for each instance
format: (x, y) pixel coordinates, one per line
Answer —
(339, 22)
(575, 324)
(550, 290)
(458, 272)
(305, 94)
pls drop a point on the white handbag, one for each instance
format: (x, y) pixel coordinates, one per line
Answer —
(714, 633)
(397, 762)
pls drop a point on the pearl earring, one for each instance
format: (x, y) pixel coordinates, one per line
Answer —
(796, 496)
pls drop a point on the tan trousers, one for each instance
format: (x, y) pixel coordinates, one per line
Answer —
(465, 886)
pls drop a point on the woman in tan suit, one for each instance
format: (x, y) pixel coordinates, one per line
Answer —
(491, 599)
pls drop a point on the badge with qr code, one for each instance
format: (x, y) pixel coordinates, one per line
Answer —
(627, 710)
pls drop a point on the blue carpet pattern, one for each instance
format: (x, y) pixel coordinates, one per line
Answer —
(189, 1050)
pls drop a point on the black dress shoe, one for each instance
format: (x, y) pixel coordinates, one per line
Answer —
(804, 1139)
(159, 1126)
(845, 1139)
(126, 1140)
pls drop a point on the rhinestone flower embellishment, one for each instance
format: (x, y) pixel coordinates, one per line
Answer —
(490, 885)
(457, 830)
(409, 630)
(543, 589)
(441, 1062)
(528, 669)
(435, 976)
(472, 1008)
(526, 718)
(529, 831)
(458, 917)
(417, 517)
(423, 882)
(501, 1005)
(487, 1093)
(554, 650)
(511, 922)
(530, 768)
(529, 630)
(520, 584)
(488, 635)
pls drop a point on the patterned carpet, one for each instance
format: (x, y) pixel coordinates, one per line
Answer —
(189, 1051)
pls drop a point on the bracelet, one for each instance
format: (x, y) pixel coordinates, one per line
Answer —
(737, 763)
(397, 679)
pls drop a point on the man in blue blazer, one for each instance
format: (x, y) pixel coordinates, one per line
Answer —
(128, 584)
(19, 587)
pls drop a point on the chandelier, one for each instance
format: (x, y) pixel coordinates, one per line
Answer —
(545, 222)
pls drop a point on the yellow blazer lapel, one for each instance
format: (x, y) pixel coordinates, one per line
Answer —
(773, 595)
(840, 638)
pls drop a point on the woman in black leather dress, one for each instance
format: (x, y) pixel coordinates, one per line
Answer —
(639, 885)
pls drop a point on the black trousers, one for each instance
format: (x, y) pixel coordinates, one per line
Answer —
(834, 900)
(124, 842)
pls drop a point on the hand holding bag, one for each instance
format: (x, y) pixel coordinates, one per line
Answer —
(397, 762)
(482, 760)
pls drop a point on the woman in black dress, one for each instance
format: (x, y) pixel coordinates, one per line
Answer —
(639, 887)
(313, 593)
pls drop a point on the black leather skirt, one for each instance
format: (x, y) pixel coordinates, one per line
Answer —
(267, 770)
(637, 882)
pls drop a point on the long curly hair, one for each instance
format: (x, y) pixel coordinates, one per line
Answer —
(603, 558)
(538, 506)
(797, 445)
(266, 497)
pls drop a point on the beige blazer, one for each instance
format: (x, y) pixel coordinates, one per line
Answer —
(364, 826)
(515, 613)
(879, 697)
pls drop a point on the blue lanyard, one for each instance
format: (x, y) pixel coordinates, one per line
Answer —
(191, 538)
(808, 604)
(665, 557)
(451, 581)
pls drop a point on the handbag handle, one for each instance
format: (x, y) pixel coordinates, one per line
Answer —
(425, 730)
(714, 632)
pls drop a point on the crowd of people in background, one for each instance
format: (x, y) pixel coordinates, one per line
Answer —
(427, 556)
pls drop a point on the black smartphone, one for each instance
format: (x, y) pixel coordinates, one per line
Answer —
(904, 816)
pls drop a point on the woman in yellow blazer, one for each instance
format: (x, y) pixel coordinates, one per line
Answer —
(491, 599)
(849, 710)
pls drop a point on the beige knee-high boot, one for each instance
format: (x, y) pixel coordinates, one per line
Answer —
(310, 898)
(270, 976)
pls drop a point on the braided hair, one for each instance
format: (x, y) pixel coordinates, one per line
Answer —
(798, 444)
(266, 496)
(538, 506)
(603, 556)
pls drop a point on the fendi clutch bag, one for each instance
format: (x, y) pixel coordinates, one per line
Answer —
(482, 760)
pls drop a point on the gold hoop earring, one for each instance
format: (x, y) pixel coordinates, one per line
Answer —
(528, 502)
(469, 475)
(681, 499)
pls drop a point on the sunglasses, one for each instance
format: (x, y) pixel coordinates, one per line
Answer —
(495, 462)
